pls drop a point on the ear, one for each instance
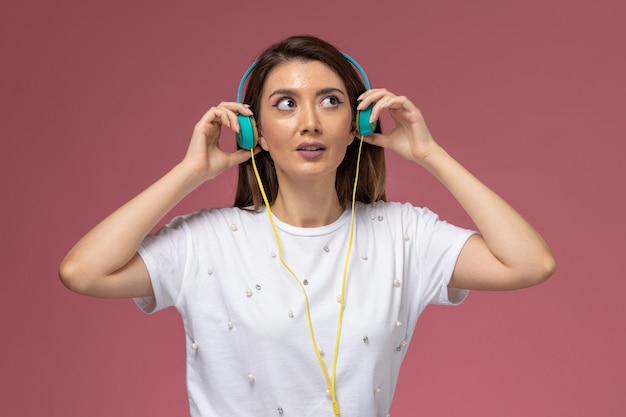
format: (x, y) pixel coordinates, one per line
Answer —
(353, 133)
(261, 141)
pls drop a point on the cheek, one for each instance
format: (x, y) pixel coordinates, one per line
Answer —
(265, 130)
(277, 130)
(351, 132)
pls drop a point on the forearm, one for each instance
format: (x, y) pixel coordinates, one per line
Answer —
(111, 244)
(508, 253)
(520, 249)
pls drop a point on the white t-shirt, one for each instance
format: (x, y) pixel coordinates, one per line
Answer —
(249, 348)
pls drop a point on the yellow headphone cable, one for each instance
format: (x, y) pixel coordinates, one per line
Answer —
(330, 381)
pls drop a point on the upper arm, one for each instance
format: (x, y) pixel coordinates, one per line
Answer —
(130, 281)
(477, 268)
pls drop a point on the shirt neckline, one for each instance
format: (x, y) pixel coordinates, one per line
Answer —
(311, 231)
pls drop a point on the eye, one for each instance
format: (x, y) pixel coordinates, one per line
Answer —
(285, 104)
(330, 101)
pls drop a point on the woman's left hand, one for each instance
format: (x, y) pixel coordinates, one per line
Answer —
(509, 253)
(410, 137)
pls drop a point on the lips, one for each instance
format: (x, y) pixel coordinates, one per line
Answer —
(310, 150)
(311, 147)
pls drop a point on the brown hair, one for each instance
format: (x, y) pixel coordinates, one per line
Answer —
(372, 171)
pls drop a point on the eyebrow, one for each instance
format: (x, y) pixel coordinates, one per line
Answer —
(294, 93)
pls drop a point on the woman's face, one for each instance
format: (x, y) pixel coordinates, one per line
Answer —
(305, 120)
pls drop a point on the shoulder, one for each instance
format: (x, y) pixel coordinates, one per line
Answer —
(393, 210)
(215, 216)
(206, 222)
(418, 224)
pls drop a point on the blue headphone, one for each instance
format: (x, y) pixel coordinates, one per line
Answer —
(248, 134)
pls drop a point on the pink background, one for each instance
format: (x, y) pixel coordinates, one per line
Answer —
(98, 99)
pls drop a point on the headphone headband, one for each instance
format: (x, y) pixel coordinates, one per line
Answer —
(348, 57)
(247, 134)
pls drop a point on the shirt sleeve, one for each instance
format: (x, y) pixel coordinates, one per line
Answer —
(165, 254)
(439, 246)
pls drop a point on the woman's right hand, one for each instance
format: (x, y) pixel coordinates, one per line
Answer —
(204, 155)
(104, 262)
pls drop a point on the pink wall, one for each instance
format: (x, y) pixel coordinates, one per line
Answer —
(98, 99)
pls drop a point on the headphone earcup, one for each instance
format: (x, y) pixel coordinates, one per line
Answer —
(247, 135)
(363, 125)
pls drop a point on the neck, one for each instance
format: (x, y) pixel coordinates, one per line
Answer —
(313, 204)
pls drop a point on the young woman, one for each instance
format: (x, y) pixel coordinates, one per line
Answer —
(304, 305)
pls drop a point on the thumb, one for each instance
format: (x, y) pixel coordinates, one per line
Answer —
(242, 155)
(377, 139)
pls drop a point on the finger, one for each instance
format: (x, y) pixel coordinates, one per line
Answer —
(223, 116)
(378, 99)
(377, 139)
(385, 102)
(231, 107)
(400, 108)
(230, 112)
(242, 155)
(372, 96)
(236, 108)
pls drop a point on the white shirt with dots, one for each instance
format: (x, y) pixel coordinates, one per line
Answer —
(249, 348)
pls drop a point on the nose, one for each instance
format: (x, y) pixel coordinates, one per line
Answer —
(309, 120)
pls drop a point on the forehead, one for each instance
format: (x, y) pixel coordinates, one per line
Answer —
(298, 74)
